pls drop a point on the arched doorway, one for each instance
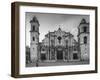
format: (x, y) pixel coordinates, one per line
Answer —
(59, 54)
(43, 57)
(75, 56)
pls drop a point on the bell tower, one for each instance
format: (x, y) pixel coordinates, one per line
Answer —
(34, 35)
(83, 39)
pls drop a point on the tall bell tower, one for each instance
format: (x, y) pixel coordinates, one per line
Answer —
(34, 37)
(84, 38)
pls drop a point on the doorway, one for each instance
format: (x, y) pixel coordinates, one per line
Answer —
(75, 56)
(59, 55)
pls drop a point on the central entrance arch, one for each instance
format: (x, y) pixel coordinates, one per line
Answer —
(59, 55)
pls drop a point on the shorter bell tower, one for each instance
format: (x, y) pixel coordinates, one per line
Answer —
(34, 37)
(84, 39)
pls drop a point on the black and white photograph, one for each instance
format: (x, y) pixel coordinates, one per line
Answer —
(56, 39)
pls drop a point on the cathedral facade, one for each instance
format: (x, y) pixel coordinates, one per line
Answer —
(59, 45)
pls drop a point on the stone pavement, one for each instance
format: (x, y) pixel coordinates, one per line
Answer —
(40, 64)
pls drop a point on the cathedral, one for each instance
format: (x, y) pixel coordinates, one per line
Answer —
(59, 45)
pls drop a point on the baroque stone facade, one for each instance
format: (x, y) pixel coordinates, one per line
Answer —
(59, 45)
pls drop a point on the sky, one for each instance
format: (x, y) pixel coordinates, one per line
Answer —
(50, 22)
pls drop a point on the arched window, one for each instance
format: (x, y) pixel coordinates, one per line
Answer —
(84, 29)
(33, 38)
(43, 49)
(33, 28)
(75, 48)
(85, 40)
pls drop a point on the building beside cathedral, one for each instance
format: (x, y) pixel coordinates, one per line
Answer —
(59, 45)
